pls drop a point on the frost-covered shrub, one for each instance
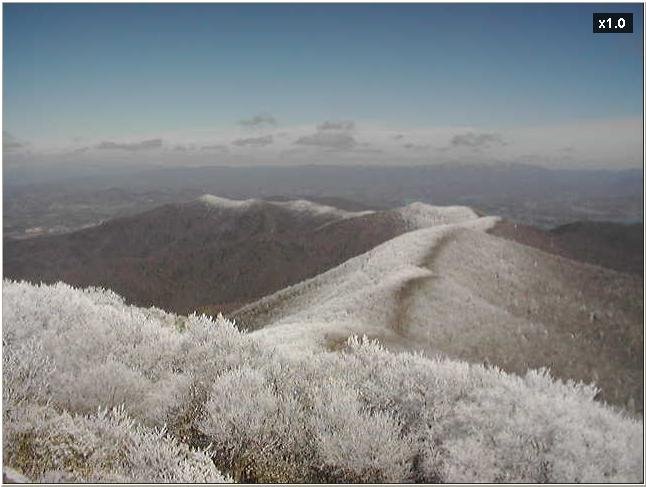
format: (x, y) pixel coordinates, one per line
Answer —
(345, 440)
(105, 353)
(27, 371)
(262, 438)
(108, 446)
(483, 425)
(287, 427)
(545, 430)
(356, 445)
(358, 415)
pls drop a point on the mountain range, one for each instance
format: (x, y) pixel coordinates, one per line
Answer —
(445, 281)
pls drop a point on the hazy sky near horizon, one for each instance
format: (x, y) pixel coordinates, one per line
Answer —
(321, 83)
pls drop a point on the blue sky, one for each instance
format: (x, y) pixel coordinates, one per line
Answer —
(119, 72)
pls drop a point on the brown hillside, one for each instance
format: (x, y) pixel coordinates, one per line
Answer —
(189, 257)
(612, 245)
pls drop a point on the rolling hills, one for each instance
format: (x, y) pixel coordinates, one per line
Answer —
(61, 199)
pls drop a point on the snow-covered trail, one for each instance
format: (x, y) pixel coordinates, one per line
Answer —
(404, 307)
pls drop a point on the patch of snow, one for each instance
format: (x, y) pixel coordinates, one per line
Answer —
(421, 215)
(306, 206)
(217, 202)
(300, 206)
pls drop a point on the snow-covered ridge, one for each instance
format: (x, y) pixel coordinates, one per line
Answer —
(315, 208)
(301, 206)
(415, 215)
(357, 296)
(226, 203)
(422, 215)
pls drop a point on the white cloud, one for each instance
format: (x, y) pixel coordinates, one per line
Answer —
(328, 140)
(254, 141)
(615, 143)
(343, 126)
(476, 141)
(130, 146)
(10, 143)
(259, 121)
